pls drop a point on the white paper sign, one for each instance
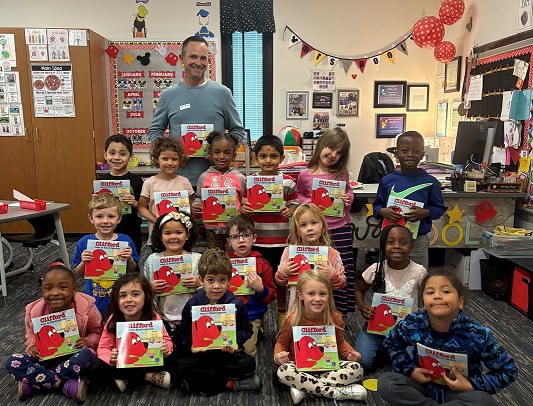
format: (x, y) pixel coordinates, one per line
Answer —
(7, 49)
(475, 90)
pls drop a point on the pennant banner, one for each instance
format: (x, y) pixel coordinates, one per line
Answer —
(376, 61)
(402, 47)
(294, 40)
(332, 61)
(390, 55)
(361, 64)
(318, 57)
(305, 50)
(346, 64)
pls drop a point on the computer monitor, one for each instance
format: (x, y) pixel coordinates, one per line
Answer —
(475, 139)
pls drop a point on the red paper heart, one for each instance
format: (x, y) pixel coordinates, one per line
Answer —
(354, 76)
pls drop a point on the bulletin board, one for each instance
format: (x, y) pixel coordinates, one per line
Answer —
(138, 74)
(497, 71)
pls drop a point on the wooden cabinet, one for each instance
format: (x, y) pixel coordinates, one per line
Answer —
(57, 157)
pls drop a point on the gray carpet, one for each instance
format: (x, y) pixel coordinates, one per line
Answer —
(511, 328)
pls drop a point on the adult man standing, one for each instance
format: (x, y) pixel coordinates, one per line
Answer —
(196, 99)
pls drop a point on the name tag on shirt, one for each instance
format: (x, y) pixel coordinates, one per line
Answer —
(185, 106)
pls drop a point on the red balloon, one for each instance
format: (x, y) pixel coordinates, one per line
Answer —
(428, 32)
(444, 52)
(451, 11)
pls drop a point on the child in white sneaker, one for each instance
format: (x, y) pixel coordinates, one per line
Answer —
(315, 307)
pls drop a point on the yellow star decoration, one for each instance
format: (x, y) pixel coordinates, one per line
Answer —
(370, 210)
(128, 59)
(455, 215)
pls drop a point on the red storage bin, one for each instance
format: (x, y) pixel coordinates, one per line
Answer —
(35, 205)
(520, 293)
(3, 208)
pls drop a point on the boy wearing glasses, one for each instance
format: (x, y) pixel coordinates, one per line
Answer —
(241, 236)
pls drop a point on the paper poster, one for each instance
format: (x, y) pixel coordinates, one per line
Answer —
(11, 117)
(77, 38)
(475, 90)
(36, 36)
(323, 80)
(524, 15)
(439, 88)
(7, 50)
(38, 52)
(53, 94)
(58, 45)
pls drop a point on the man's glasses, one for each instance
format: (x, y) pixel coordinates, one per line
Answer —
(237, 237)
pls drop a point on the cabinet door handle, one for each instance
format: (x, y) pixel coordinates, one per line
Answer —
(26, 134)
(37, 134)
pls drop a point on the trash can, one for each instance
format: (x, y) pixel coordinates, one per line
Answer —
(496, 278)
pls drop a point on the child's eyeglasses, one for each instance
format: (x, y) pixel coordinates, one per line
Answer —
(237, 237)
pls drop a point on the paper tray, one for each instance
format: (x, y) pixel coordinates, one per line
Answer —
(35, 205)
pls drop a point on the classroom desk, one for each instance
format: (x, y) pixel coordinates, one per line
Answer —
(18, 214)
(454, 229)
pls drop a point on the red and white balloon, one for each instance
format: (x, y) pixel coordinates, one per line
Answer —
(444, 52)
(451, 11)
(428, 32)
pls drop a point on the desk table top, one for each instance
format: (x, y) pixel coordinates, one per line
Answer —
(16, 213)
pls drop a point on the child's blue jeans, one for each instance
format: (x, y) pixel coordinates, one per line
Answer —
(367, 345)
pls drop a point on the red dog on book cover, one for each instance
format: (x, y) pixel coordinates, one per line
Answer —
(167, 274)
(383, 318)
(191, 143)
(48, 341)
(212, 208)
(133, 346)
(307, 353)
(165, 206)
(236, 280)
(258, 197)
(99, 265)
(204, 331)
(303, 266)
(321, 198)
(433, 365)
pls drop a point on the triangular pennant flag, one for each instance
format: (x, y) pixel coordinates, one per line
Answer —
(361, 64)
(332, 61)
(294, 40)
(305, 50)
(390, 55)
(376, 61)
(318, 57)
(346, 64)
(403, 48)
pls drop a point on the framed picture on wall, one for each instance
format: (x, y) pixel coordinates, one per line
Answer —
(297, 105)
(452, 75)
(389, 94)
(442, 113)
(347, 102)
(322, 100)
(454, 115)
(390, 125)
(417, 97)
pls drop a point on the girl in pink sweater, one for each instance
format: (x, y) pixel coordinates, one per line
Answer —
(131, 300)
(62, 373)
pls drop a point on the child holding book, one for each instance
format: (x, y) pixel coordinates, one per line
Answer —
(131, 300)
(273, 228)
(105, 213)
(396, 275)
(315, 307)
(117, 153)
(59, 293)
(412, 183)
(241, 236)
(221, 151)
(212, 372)
(442, 326)
(309, 228)
(168, 155)
(330, 162)
(174, 233)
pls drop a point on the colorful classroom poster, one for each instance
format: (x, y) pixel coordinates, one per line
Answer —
(193, 138)
(307, 257)
(106, 263)
(53, 93)
(219, 204)
(56, 334)
(315, 348)
(239, 281)
(441, 361)
(327, 195)
(389, 310)
(139, 343)
(265, 193)
(177, 200)
(8, 56)
(173, 270)
(115, 187)
(11, 117)
(213, 327)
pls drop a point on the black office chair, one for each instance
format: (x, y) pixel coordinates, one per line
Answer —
(44, 229)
